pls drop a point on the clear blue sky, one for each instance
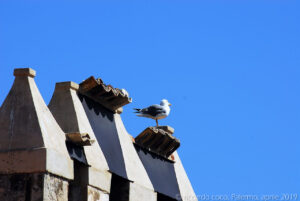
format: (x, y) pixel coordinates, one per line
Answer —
(230, 69)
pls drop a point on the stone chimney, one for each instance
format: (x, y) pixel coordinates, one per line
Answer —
(70, 115)
(102, 103)
(156, 147)
(34, 161)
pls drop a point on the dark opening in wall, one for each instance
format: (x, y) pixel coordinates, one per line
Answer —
(162, 197)
(119, 190)
(78, 186)
(28, 189)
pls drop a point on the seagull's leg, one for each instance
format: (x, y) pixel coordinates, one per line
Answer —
(156, 122)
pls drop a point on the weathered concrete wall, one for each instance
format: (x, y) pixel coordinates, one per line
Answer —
(138, 193)
(21, 187)
(55, 189)
(95, 194)
(33, 187)
(88, 193)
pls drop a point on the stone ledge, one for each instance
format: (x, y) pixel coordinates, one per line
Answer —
(99, 179)
(96, 194)
(81, 139)
(36, 160)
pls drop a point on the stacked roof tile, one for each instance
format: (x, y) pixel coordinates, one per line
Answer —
(108, 96)
(158, 141)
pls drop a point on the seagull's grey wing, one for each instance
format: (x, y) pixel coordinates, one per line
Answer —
(153, 110)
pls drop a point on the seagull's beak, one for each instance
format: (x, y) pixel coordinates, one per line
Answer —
(170, 104)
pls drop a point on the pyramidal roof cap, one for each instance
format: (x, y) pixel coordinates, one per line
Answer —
(65, 103)
(28, 130)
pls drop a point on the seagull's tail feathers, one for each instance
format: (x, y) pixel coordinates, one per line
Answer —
(137, 110)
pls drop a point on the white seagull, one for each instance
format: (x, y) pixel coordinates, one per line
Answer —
(155, 111)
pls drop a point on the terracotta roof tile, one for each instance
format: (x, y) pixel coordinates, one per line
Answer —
(158, 141)
(108, 96)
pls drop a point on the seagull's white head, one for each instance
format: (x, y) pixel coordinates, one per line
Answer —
(165, 102)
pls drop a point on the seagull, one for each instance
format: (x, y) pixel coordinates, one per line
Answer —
(155, 111)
